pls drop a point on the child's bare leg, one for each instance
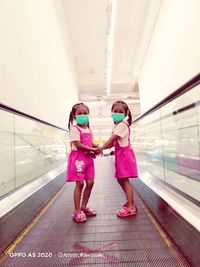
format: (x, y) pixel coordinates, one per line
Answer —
(87, 192)
(77, 195)
(129, 193)
(121, 183)
(128, 189)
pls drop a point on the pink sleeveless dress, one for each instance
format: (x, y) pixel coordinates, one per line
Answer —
(125, 160)
(80, 166)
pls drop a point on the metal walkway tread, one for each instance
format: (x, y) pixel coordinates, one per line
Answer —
(105, 240)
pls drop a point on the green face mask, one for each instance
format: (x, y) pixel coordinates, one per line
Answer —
(82, 119)
(117, 117)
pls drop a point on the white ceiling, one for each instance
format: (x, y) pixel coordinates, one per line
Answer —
(87, 21)
(133, 28)
(87, 24)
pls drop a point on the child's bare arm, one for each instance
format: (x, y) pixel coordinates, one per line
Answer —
(109, 142)
(83, 147)
(95, 145)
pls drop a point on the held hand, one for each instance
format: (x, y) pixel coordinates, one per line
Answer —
(94, 152)
(97, 151)
(100, 151)
(91, 154)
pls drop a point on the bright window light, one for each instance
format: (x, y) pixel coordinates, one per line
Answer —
(109, 46)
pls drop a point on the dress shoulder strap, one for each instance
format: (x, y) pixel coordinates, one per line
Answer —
(78, 128)
(81, 132)
(126, 125)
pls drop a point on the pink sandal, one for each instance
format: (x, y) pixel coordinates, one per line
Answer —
(125, 212)
(89, 212)
(79, 216)
(126, 205)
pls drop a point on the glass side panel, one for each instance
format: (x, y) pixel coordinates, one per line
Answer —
(7, 168)
(39, 148)
(148, 146)
(28, 150)
(181, 151)
(168, 146)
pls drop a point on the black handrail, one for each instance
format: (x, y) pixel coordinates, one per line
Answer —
(15, 111)
(184, 88)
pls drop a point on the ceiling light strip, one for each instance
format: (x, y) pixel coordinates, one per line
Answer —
(109, 45)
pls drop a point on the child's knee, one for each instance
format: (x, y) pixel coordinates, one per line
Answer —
(80, 184)
(90, 183)
(120, 181)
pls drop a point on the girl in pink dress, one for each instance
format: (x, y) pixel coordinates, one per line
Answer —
(125, 161)
(80, 163)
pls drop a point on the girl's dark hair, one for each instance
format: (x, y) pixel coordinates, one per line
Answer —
(127, 110)
(72, 113)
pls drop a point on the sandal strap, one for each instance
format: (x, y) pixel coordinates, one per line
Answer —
(89, 210)
(125, 211)
(79, 216)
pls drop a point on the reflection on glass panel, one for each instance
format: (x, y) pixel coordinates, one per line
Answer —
(186, 118)
(198, 112)
(181, 102)
(182, 111)
(28, 150)
(183, 183)
(176, 120)
(181, 151)
(7, 181)
(181, 146)
(148, 147)
(39, 148)
(172, 151)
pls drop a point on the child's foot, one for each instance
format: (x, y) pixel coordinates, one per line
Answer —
(126, 212)
(79, 216)
(89, 212)
(126, 205)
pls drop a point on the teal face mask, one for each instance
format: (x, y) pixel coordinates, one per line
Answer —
(117, 117)
(82, 119)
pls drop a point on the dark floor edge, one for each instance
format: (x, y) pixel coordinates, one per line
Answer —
(183, 234)
(16, 220)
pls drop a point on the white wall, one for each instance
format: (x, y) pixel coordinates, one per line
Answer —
(173, 57)
(37, 72)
